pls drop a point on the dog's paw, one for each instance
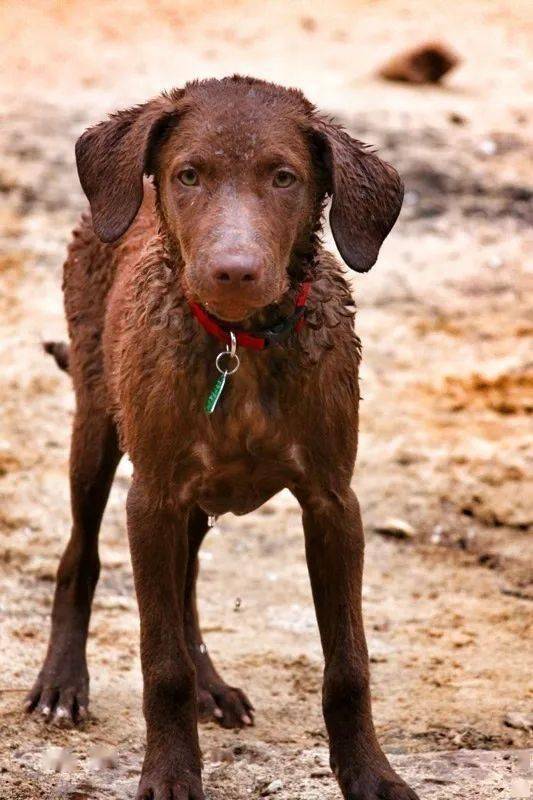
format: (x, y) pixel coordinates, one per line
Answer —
(228, 706)
(60, 695)
(377, 783)
(156, 786)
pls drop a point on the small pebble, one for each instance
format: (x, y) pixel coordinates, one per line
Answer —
(487, 147)
(411, 198)
(398, 528)
(323, 772)
(272, 788)
(495, 262)
(521, 722)
(436, 536)
(456, 118)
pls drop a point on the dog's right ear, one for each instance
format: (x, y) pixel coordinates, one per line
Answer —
(112, 158)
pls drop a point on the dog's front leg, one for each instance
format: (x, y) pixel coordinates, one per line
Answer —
(334, 549)
(159, 552)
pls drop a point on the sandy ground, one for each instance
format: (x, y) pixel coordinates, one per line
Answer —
(445, 322)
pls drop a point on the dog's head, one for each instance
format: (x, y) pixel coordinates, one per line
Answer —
(241, 168)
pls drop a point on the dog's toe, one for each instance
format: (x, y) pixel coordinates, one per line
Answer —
(156, 788)
(60, 701)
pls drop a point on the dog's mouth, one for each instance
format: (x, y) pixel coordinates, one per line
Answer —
(235, 307)
(236, 313)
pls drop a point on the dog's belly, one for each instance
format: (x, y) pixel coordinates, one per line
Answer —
(220, 496)
(243, 483)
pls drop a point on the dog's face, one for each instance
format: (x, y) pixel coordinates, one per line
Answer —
(238, 190)
(241, 169)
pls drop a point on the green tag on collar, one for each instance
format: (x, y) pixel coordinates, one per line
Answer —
(214, 394)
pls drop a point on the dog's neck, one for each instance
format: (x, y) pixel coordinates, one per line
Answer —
(160, 302)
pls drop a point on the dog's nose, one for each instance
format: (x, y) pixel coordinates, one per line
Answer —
(237, 269)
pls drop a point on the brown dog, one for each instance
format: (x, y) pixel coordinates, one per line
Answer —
(221, 246)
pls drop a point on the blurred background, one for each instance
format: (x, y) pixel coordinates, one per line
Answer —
(445, 319)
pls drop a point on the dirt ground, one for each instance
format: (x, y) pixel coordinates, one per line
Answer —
(445, 319)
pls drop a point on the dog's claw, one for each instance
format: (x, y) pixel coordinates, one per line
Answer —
(63, 717)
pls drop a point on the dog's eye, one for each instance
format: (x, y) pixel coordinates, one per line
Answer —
(283, 179)
(189, 177)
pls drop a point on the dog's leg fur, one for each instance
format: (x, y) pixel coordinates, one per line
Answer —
(216, 700)
(159, 553)
(61, 691)
(334, 549)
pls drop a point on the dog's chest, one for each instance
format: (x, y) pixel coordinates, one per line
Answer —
(243, 453)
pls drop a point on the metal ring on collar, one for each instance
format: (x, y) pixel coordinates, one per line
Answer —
(229, 354)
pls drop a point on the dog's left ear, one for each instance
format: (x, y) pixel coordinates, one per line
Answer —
(367, 194)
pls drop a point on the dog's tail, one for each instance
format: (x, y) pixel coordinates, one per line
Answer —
(61, 353)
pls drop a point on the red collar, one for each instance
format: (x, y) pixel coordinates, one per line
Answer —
(261, 339)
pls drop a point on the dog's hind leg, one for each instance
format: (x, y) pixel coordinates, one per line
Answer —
(216, 700)
(61, 691)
